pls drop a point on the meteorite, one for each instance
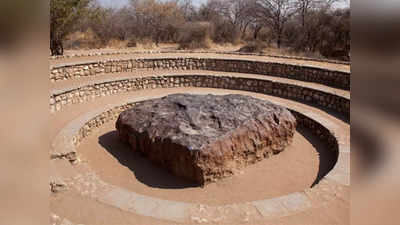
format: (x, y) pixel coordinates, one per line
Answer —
(206, 137)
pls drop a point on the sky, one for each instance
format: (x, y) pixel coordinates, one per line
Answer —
(113, 3)
(120, 3)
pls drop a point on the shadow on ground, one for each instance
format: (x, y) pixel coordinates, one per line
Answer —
(145, 171)
(327, 158)
(154, 176)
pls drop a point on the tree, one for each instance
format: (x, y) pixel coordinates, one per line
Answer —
(275, 14)
(188, 9)
(237, 12)
(158, 19)
(111, 23)
(64, 14)
(303, 7)
(312, 25)
(336, 39)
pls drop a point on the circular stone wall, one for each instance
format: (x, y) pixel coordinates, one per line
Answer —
(88, 108)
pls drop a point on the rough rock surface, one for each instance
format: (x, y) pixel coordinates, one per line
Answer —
(206, 137)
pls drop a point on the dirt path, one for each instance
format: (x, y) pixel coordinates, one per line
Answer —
(293, 170)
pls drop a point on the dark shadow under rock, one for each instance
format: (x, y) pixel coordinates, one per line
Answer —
(206, 137)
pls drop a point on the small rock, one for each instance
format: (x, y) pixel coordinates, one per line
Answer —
(66, 222)
(55, 217)
(58, 185)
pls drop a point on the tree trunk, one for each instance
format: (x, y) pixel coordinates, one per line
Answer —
(56, 44)
(244, 31)
(56, 47)
(278, 41)
(256, 31)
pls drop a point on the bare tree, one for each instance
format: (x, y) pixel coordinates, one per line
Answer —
(188, 9)
(304, 6)
(241, 14)
(303, 25)
(235, 14)
(275, 14)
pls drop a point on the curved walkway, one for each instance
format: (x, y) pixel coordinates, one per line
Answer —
(291, 61)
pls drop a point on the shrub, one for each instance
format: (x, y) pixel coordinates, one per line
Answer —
(194, 36)
(226, 33)
(146, 43)
(116, 43)
(253, 47)
(82, 40)
(132, 43)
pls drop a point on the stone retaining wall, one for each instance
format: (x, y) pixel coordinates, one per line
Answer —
(317, 129)
(331, 78)
(128, 52)
(60, 99)
(99, 121)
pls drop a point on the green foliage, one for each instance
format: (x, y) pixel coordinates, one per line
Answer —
(64, 14)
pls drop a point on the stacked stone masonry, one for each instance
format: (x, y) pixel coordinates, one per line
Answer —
(128, 52)
(60, 99)
(331, 78)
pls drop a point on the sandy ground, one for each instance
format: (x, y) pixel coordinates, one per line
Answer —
(172, 46)
(293, 170)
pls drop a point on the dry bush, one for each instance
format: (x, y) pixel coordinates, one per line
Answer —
(82, 40)
(307, 54)
(146, 43)
(254, 47)
(194, 36)
(266, 35)
(226, 33)
(132, 43)
(145, 24)
(117, 44)
(335, 53)
(158, 20)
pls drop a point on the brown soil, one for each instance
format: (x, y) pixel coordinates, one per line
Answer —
(293, 170)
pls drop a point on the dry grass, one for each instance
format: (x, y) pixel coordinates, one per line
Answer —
(117, 44)
(253, 47)
(82, 40)
(290, 52)
(86, 41)
(146, 43)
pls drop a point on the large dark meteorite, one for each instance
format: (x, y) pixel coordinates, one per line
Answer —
(206, 137)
